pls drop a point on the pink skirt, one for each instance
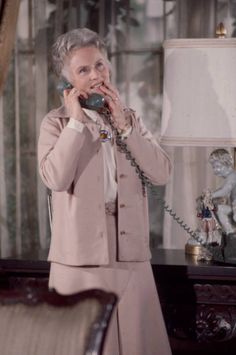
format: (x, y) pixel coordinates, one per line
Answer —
(137, 327)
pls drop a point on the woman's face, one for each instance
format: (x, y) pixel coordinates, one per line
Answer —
(86, 69)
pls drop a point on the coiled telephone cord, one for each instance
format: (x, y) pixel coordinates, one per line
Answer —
(122, 146)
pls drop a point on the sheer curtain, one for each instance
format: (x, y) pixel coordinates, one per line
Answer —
(190, 175)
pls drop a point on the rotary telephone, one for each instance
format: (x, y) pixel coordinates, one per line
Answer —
(93, 102)
(98, 103)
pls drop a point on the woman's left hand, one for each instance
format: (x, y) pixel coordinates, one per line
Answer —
(120, 121)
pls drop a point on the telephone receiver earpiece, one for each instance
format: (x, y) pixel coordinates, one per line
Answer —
(63, 85)
(94, 102)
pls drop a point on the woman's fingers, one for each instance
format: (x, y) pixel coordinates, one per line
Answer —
(111, 88)
(111, 92)
(75, 93)
(72, 104)
(117, 109)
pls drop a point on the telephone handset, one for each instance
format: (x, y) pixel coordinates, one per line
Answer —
(94, 102)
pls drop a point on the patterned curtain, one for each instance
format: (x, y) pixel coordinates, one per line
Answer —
(8, 20)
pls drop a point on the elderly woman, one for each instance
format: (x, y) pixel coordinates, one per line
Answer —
(100, 232)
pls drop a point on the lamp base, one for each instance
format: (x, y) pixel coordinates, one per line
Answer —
(193, 249)
(197, 252)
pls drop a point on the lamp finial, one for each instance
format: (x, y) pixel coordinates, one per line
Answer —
(221, 31)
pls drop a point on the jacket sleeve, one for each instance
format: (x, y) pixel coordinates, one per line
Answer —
(58, 152)
(152, 159)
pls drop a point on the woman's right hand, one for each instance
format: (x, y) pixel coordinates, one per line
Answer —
(72, 104)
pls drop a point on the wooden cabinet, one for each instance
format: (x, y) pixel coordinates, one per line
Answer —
(198, 301)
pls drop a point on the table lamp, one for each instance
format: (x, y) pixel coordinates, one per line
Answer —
(199, 93)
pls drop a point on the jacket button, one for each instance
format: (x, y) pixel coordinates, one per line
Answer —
(122, 176)
(122, 205)
(122, 233)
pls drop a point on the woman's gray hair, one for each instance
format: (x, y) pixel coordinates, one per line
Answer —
(69, 41)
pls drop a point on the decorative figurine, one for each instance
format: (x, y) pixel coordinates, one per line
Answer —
(217, 213)
(209, 227)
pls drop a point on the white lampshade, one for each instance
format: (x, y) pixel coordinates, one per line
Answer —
(199, 97)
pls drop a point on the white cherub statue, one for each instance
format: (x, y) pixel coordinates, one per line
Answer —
(224, 198)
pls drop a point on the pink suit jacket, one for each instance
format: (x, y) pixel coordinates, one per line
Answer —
(71, 165)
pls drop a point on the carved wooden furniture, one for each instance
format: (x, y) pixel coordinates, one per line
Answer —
(36, 321)
(198, 301)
